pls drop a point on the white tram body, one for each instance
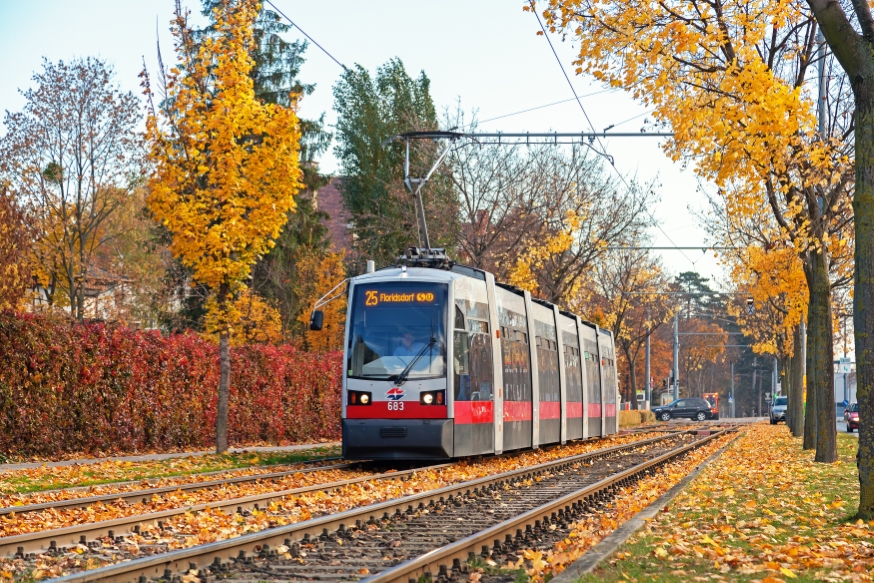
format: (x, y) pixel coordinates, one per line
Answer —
(487, 367)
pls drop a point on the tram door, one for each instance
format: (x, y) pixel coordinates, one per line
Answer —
(546, 344)
(573, 377)
(516, 366)
(593, 382)
(608, 360)
(473, 385)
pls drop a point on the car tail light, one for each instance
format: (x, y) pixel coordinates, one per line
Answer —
(432, 397)
(360, 398)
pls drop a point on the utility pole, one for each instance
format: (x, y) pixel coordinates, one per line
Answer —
(648, 392)
(676, 359)
(774, 381)
(732, 390)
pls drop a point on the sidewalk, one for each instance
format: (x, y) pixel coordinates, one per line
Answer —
(162, 456)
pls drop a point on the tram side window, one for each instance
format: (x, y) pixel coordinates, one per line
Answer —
(473, 359)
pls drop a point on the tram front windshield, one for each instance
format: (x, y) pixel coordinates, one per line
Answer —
(398, 328)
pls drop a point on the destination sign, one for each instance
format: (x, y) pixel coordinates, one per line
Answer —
(377, 297)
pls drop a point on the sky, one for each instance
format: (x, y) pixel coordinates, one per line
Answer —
(484, 54)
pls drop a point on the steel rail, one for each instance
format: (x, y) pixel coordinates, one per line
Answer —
(157, 479)
(146, 493)
(462, 550)
(72, 535)
(201, 556)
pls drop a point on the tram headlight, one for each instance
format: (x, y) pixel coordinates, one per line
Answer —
(359, 398)
(433, 398)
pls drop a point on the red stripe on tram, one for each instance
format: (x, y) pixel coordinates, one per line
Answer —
(392, 410)
(610, 409)
(594, 409)
(517, 411)
(471, 412)
(550, 410)
(574, 409)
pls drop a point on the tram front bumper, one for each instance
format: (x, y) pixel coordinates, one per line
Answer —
(397, 439)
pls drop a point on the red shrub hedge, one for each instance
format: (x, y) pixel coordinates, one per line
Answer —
(68, 387)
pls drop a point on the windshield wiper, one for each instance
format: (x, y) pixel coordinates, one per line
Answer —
(402, 378)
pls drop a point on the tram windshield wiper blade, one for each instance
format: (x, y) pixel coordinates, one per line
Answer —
(402, 378)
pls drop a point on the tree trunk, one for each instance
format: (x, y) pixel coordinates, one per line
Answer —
(786, 372)
(863, 299)
(796, 380)
(753, 390)
(632, 377)
(821, 391)
(810, 383)
(221, 420)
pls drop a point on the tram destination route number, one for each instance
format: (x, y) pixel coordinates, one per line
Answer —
(374, 298)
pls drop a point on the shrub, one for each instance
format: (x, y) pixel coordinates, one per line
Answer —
(87, 387)
(632, 418)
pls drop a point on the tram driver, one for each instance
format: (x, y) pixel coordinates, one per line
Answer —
(408, 347)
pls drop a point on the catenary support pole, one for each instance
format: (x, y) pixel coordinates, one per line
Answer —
(732, 389)
(676, 359)
(648, 392)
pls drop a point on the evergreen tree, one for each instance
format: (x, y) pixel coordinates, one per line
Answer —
(371, 110)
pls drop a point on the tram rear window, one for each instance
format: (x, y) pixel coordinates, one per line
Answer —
(395, 325)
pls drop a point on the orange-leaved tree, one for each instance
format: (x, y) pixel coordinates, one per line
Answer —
(317, 274)
(14, 248)
(225, 166)
(733, 80)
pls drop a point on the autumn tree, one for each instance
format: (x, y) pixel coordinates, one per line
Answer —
(275, 74)
(15, 281)
(732, 81)
(70, 157)
(849, 31)
(370, 110)
(225, 166)
(319, 274)
(629, 283)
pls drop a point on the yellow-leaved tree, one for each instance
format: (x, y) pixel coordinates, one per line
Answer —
(735, 81)
(225, 166)
(317, 274)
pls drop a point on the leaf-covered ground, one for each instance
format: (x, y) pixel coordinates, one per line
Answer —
(764, 511)
(540, 565)
(54, 477)
(210, 525)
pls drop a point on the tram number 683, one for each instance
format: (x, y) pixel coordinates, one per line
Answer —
(395, 405)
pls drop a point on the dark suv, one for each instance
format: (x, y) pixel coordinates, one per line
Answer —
(692, 408)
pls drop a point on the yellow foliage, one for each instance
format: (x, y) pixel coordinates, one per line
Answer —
(317, 274)
(775, 280)
(732, 84)
(523, 275)
(252, 320)
(225, 165)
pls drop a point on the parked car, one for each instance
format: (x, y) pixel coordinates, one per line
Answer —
(692, 408)
(778, 410)
(851, 416)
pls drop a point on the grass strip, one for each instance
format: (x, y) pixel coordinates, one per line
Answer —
(763, 511)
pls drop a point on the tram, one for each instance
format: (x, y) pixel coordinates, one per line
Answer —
(441, 361)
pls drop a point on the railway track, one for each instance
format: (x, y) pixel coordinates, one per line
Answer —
(85, 533)
(145, 494)
(494, 499)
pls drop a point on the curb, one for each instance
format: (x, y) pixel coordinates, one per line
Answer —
(605, 548)
(160, 456)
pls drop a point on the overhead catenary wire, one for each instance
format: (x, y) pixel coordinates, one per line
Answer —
(586, 115)
(323, 49)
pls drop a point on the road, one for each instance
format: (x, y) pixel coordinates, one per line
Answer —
(842, 428)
